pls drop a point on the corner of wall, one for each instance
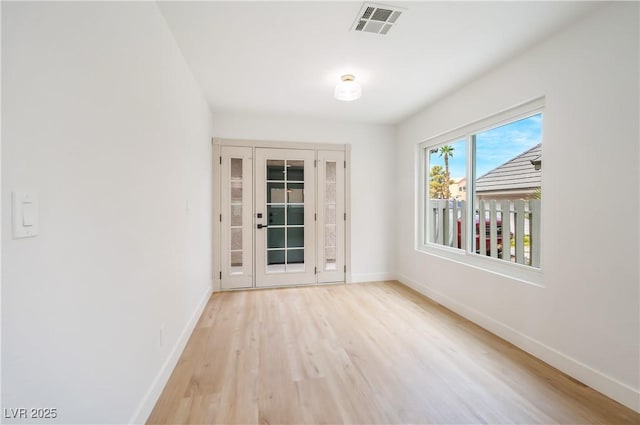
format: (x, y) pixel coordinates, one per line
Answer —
(607, 385)
(150, 398)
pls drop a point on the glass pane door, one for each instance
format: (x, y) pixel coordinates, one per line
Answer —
(285, 205)
(331, 218)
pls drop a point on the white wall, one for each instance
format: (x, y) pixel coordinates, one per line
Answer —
(586, 318)
(103, 119)
(372, 160)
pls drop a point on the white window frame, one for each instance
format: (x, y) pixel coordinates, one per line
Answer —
(520, 272)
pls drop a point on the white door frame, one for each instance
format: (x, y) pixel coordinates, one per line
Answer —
(218, 143)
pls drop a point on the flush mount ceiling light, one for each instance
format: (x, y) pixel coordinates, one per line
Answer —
(348, 89)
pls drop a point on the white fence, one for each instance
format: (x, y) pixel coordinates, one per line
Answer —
(511, 229)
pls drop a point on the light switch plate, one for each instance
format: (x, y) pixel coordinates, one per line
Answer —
(24, 207)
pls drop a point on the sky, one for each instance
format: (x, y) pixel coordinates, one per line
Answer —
(494, 147)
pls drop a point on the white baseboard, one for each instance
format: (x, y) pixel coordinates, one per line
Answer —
(372, 277)
(151, 397)
(618, 391)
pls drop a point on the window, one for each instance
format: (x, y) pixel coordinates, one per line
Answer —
(481, 190)
(446, 211)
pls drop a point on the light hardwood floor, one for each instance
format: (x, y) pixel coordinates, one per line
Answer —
(363, 353)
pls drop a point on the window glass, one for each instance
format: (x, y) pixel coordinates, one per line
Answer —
(447, 165)
(482, 189)
(508, 190)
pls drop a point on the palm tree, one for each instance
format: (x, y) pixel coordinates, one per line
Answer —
(446, 151)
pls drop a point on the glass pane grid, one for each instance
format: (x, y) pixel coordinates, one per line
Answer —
(285, 206)
(235, 212)
(330, 228)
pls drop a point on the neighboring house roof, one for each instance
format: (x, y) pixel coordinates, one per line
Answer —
(517, 173)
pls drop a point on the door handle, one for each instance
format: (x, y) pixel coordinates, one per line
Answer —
(261, 226)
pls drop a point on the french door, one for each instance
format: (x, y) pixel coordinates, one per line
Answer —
(331, 221)
(236, 217)
(285, 217)
(282, 217)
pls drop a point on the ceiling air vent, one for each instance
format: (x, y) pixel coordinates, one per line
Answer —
(376, 18)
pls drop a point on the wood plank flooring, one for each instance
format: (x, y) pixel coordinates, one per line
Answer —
(374, 353)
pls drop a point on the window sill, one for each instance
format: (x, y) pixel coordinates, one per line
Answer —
(519, 272)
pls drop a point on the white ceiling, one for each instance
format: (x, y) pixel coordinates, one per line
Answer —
(286, 57)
